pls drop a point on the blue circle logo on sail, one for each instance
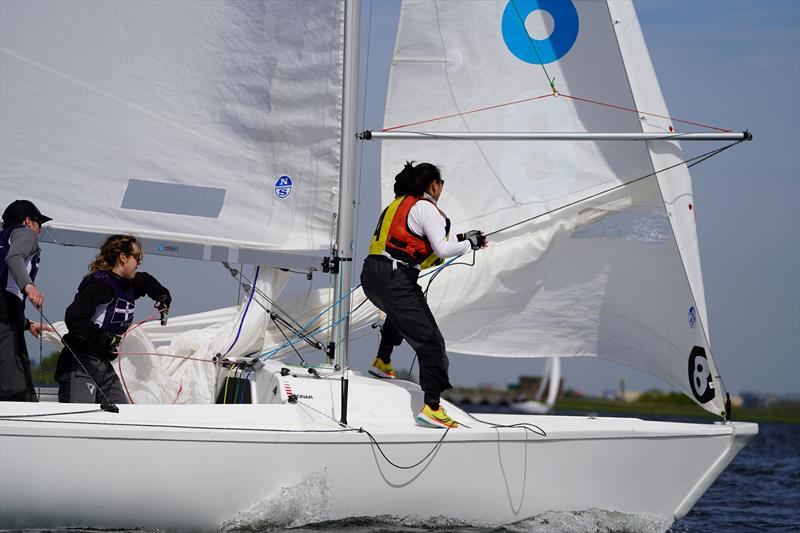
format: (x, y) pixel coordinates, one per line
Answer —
(283, 187)
(540, 51)
(692, 317)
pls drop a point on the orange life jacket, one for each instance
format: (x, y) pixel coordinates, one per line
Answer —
(393, 236)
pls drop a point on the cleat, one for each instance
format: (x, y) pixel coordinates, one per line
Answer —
(435, 419)
(379, 369)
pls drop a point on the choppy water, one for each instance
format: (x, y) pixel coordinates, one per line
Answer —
(759, 491)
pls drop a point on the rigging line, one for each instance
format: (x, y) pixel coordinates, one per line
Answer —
(405, 467)
(296, 331)
(528, 426)
(448, 264)
(40, 415)
(477, 110)
(290, 342)
(701, 157)
(633, 110)
(41, 349)
(119, 355)
(278, 325)
(244, 315)
(535, 51)
(105, 404)
(275, 306)
(710, 155)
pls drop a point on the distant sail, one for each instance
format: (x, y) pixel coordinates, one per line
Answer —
(190, 122)
(616, 276)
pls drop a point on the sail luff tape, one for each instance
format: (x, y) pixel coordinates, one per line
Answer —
(233, 255)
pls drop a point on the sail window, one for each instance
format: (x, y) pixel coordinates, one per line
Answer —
(173, 198)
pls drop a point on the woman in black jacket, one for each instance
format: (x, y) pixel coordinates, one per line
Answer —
(98, 317)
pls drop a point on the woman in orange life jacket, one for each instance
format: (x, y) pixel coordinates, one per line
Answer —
(412, 234)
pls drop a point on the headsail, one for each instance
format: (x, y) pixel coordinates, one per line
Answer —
(215, 123)
(615, 276)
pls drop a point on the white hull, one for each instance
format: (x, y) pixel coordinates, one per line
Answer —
(198, 467)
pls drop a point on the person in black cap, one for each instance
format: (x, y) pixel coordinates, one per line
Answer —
(19, 262)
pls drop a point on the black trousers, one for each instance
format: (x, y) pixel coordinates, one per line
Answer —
(396, 293)
(16, 381)
(79, 383)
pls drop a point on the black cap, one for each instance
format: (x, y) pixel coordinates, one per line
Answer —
(19, 210)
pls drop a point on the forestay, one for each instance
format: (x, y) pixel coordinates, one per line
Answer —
(616, 276)
(213, 123)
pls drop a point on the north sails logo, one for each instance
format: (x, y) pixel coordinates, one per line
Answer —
(283, 187)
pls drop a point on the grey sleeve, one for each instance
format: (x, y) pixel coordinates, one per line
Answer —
(23, 244)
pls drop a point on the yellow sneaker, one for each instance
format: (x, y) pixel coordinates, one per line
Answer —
(435, 419)
(379, 369)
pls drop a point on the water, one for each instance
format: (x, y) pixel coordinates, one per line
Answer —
(760, 489)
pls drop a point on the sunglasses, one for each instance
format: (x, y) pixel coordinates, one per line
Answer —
(138, 256)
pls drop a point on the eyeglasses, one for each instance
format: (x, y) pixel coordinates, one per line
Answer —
(441, 182)
(138, 256)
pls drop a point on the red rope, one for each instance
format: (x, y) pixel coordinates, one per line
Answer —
(613, 106)
(468, 112)
(119, 353)
(643, 112)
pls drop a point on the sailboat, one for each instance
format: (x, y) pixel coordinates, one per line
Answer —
(225, 131)
(551, 382)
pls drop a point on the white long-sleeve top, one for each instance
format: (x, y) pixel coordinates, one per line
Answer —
(424, 218)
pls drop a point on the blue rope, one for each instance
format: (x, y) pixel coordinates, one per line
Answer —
(244, 315)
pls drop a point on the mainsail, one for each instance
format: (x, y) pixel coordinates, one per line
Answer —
(578, 265)
(206, 128)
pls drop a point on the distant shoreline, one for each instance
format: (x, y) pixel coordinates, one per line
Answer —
(784, 413)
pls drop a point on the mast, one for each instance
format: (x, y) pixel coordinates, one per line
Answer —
(343, 250)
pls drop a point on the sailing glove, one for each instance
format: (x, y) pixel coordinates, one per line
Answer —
(476, 238)
(112, 344)
(162, 304)
(163, 301)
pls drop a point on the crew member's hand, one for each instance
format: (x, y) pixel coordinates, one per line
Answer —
(36, 328)
(163, 301)
(476, 238)
(113, 342)
(36, 297)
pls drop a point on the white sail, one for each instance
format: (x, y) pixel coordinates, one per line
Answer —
(617, 275)
(187, 123)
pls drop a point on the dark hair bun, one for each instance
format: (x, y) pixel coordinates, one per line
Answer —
(414, 180)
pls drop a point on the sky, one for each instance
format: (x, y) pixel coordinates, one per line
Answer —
(729, 63)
